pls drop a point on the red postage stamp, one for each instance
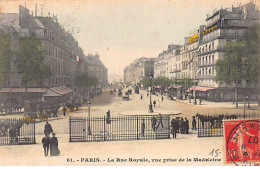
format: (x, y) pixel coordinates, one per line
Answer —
(242, 141)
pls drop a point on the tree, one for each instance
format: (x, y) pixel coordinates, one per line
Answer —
(83, 81)
(30, 61)
(5, 58)
(240, 62)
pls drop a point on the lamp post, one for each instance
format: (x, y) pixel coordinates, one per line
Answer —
(89, 131)
(150, 105)
(245, 106)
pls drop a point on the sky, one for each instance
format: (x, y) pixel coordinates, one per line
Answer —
(121, 31)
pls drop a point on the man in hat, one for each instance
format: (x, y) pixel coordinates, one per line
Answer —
(47, 128)
(54, 149)
(46, 144)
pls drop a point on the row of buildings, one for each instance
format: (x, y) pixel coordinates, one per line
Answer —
(63, 55)
(196, 58)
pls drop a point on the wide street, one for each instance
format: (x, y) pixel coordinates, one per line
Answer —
(185, 146)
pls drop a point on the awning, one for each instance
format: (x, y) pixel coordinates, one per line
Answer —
(50, 93)
(62, 90)
(199, 88)
(174, 87)
(22, 90)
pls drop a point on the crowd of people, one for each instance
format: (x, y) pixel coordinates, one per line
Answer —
(50, 143)
(179, 125)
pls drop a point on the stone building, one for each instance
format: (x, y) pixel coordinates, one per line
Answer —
(222, 26)
(97, 69)
(165, 63)
(138, 70)
(63, 55)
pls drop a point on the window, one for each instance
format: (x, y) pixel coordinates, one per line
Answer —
(209, 47)
(209, 59)
(202, 60)
(206, 48)
(206, 62)
(212, 45)
(206, 71)
(209, 72)
(213, 71)
(213, 61)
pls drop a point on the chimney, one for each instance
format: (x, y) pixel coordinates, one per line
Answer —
(36, 9)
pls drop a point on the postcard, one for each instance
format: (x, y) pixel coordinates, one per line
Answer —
(129, 83)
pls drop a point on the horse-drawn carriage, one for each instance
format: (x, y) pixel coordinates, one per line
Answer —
(73, 106)
(40, 109)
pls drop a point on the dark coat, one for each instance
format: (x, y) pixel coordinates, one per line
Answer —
(54, 150)
(48, 129)
(45, 142)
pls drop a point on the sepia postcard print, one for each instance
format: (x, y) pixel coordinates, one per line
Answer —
(129, 83)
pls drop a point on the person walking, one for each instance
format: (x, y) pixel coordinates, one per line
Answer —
(143, 127)
(186, 125)
(154, 121)
(46, 144)
(108, 117)
(174, 128)
(162, 98)
(64, 110)
(194, 122)
(154, 103)
(160, 121)
(54, 149)
(47, 128)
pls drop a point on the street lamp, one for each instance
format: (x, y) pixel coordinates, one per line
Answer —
(246, 98)
(89, 132)
(150, 105)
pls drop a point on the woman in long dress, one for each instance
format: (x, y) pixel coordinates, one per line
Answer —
(54, 149)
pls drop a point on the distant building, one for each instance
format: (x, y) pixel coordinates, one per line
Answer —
(165, 63)
(138, 70)
(97, 69)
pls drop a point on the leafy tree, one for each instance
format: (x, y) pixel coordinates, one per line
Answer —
(5, 58)
(30, 61)
(240, 62)
(84, 81)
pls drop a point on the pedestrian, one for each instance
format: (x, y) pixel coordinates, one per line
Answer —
(143, 127)
(64, 111)
(154, 103)
(46, 144)
(160, 121)
(194, 123)
(154, 121)
(162, 98)
(47, 128)
(54, 149)
(200, 100)
(174, 128)
(108, 117)
(186, 126)
(177, 124)
(182, 126)
(141, 96)
(158, 103)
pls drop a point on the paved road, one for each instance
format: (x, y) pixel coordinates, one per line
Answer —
(184, 146)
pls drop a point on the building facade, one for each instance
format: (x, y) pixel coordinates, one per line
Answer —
(165, 63)
(138, 70)
(222, 26)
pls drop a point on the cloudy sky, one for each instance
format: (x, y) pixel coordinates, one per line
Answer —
(123, 30)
